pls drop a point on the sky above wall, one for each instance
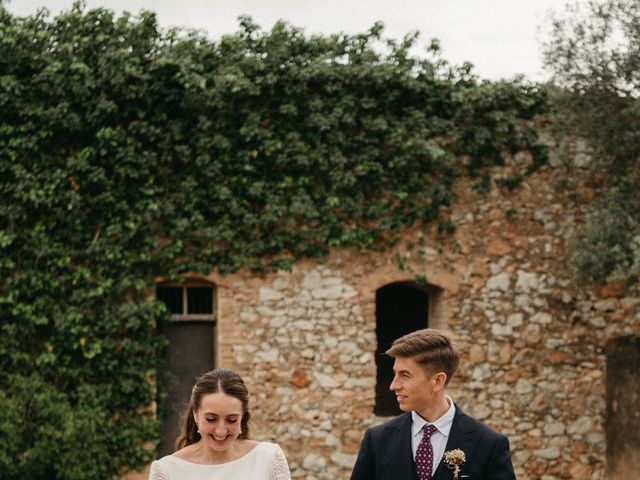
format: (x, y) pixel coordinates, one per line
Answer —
(501, 38)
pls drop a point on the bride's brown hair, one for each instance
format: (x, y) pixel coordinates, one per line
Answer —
(218, 380)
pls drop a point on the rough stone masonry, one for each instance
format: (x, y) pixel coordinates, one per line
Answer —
(533, 342)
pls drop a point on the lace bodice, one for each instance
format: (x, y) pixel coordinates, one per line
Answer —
(265, 462)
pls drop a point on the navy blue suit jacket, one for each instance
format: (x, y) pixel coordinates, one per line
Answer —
(385, 452)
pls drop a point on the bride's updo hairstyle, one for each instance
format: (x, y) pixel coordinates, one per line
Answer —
(221, 380)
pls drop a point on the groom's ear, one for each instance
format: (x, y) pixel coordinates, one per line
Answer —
(439, 381)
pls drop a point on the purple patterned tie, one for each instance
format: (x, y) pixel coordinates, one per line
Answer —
(424, 453)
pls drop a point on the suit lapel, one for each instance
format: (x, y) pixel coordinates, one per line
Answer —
(460, 436)
(400, 452)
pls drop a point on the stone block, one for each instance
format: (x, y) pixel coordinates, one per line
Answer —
(527, 282)
(500, 282)
(314, 462)
(269, 294)
(550, 453)
(498, 247)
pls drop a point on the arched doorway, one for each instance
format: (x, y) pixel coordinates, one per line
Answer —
(401, 308)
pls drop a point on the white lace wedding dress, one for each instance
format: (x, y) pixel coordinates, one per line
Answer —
(265, 462)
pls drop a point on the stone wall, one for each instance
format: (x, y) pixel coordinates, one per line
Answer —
(533, 343)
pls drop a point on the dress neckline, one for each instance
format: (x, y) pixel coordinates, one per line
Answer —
(253, 449)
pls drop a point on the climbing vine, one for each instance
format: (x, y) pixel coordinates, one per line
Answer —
(128, 152)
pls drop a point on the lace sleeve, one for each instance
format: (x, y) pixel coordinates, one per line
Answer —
(279, 466)
(156, 472)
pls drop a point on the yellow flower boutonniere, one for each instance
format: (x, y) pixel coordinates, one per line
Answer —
(454, 459)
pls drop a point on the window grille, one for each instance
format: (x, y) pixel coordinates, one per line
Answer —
(188, 302)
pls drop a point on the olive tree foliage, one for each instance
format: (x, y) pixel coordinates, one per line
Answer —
(594, 54)
(128, 152)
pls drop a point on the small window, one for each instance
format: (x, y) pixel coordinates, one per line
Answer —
(188, 302)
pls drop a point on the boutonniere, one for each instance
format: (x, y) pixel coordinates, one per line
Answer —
(454, 459)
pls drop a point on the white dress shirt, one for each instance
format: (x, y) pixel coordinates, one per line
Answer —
(439, 437)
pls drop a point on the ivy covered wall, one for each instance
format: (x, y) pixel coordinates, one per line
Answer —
(129, 152)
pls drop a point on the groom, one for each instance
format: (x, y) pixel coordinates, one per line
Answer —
(412, 445)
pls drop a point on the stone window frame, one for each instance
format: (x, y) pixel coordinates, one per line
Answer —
(436, 305)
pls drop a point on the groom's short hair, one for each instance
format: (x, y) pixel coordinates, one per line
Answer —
(429, 347)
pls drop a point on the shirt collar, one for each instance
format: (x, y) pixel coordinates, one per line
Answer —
(443, 424)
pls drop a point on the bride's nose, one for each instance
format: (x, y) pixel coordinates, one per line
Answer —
(220, 430)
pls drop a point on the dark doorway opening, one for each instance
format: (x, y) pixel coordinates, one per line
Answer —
(190, 353)
(401, 308)
(622, 424)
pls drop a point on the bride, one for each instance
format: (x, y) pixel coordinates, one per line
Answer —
(214, 443)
